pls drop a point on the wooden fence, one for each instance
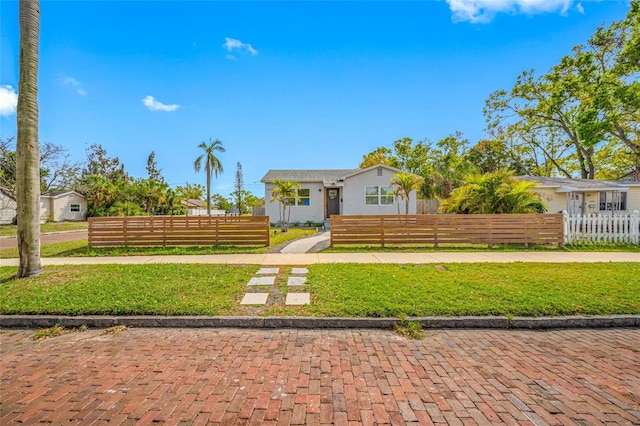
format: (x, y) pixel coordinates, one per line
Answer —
(608, 228)
(447, 229)
(179, 231)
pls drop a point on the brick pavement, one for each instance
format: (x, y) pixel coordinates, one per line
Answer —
(342, 377)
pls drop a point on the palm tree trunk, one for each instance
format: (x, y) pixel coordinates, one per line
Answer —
(27, 146)
(208, 188)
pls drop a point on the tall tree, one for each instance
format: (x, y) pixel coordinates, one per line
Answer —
(153, 171)
(284, 192)
(403, 184)
(212, 164)
(28, 146)
(57, 172)
(238, 192)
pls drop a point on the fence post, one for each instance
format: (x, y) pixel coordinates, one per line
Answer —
(382, 231)
(635, 227)
(565, 227)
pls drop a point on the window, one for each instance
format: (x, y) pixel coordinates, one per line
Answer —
(378, 195)
(304, 198)
(613, 201)
(75, 208)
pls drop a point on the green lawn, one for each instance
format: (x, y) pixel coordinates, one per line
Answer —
(343, 290)
(80, 248)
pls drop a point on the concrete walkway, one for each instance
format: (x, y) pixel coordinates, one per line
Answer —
(304, 245)
(313, 258)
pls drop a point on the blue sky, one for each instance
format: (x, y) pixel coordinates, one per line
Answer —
(285, 84)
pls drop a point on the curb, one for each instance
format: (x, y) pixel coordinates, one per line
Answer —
(489, 322)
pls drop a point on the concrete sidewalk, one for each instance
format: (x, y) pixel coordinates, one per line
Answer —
(312, 258)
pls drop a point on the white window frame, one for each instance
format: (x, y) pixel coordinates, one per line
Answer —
(613, 201)
(72, 205)
(382, 194)
(296, 201)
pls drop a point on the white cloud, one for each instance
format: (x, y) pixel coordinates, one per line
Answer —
(72, 82)
(8, 100)
(484, 10)
(231, 43)
(154, 105)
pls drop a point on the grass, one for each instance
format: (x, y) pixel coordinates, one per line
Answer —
(342, 290)
(167, 289)
(80, 248)
(10, 230)
(483, 247)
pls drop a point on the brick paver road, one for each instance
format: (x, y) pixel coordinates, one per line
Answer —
(229, 376)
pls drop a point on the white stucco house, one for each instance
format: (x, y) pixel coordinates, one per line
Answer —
(57, 206)
(577, 196)
(324, 193)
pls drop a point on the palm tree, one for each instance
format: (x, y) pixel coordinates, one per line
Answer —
(404, 184)
(490, 193)
(285, 193)
(211, 164)
(28, 146)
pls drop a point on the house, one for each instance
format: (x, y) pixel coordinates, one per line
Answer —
(199, 208)
(324, 193)
(56, 206)
(578, 196)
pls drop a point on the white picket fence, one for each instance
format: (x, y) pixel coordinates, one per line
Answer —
(608, 228)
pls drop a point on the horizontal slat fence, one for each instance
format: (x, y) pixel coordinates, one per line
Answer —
(179, 231)
(439, 229)
(608, 228)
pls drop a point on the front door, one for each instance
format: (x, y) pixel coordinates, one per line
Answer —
(333, 201)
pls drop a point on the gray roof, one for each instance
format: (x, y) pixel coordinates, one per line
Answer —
(566, 184)
(308, 175)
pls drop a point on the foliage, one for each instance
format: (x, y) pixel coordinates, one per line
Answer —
(239, 193)
(559, 122)
(57, 172)
(190, 192)
(284, 192)
(496, 192)
(110, 191)
(212, 164)
(404, 184)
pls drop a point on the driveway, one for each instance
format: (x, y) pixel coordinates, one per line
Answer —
(232, 376)
(56, 237)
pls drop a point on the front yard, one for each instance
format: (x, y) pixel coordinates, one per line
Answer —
(343, 290)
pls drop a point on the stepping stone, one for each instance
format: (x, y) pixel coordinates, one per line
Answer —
(296, 280)
(262, 281)
(298, 299)
(268, 271)
(254, 299)
(300, 271)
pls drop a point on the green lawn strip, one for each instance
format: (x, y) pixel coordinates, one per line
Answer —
(342, 290)
(159, 289)
(483, 247)
(10, 230)
(527, 289)
(80, 248)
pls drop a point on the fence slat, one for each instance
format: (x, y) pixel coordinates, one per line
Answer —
(607, 228)
(178, 231)
(441, 229)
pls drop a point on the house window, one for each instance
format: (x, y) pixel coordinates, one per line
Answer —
(75, 208)
(303, 199)
(613, 201)
(378, 195)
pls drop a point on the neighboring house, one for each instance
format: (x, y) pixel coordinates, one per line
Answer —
(324, 193)
(578, 196)
(57, 206)
(199, 208)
